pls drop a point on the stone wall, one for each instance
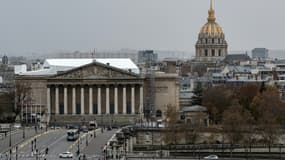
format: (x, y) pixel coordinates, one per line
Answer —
(107, 120)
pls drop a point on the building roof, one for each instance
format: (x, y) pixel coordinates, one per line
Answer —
(237, 69)
(232, 58)
(52, 66)
(195, 108)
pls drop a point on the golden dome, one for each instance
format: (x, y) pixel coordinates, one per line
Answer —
(211, 27)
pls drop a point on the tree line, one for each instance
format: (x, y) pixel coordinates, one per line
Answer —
(249, 114)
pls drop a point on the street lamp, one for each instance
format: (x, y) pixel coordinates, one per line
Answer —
(78, 146)
(87, 139)
(16, 152)
(46, 126)
(10, 139)
(24, 132)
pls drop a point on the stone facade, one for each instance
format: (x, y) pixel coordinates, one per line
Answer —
(166, 92)
(94, 91)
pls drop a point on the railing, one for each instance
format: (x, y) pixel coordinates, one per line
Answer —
(204, 147)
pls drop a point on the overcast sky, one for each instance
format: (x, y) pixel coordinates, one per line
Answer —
(45, 26)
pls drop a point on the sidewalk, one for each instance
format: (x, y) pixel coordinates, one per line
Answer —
(96, 144)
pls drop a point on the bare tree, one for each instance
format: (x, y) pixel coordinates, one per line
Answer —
(232, 131)
(250, 130)
(19, 95)
(172, 128)
(217, 100)
(246, 94)
(269, 113)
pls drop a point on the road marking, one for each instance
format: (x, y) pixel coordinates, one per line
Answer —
(31, 139)
(81, 137)
(54, 142)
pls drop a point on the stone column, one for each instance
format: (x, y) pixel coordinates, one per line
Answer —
(90, 100)
(65, 100)
(99, 100)
(133, 99)
(124, 100)
(56, 100)
(82, 100)
(107, 100)
(48, 104)
(141, 99)
(116, 99)
(74, 100)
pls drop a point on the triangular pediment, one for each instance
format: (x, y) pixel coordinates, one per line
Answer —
(95, 70)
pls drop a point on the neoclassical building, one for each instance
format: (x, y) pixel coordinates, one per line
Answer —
(211, 45)
(69, 91)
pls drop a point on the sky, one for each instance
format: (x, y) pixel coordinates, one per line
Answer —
(47, 26)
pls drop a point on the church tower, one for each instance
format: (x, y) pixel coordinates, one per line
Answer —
(211, 45)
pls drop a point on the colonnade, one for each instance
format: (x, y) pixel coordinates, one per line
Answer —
(90, 104)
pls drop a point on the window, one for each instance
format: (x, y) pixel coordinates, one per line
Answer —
(206, 41)
(213, 40)
(95, 109)
(129, 109)
(213, 52)
(112, 109)
(220, 52)
(78, 109)
(206, 52)
(158, 113)
(61, 109)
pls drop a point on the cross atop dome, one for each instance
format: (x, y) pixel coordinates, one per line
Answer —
(211, 45)
(211, 12)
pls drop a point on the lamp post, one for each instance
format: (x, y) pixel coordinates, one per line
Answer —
(46, 126)
(160, 144)
(87, 139)
(16, 152)
(10, 141)
(78, 146)
(24, 132)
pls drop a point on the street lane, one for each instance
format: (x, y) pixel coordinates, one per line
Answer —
(17, 137)
(94, 149)
(42, 143)
(56, 142)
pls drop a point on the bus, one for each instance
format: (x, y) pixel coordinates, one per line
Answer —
(72, 134)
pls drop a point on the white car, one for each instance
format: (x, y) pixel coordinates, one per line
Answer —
(66, 155)
(211, 157)
(17, 125)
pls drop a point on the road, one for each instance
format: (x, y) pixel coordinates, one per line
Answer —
(17, 137)
(94, 149)
(55, 141)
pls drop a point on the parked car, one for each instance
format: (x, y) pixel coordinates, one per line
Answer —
(211, 157)
(66, 155)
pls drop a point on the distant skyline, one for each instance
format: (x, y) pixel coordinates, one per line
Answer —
(37, 26)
